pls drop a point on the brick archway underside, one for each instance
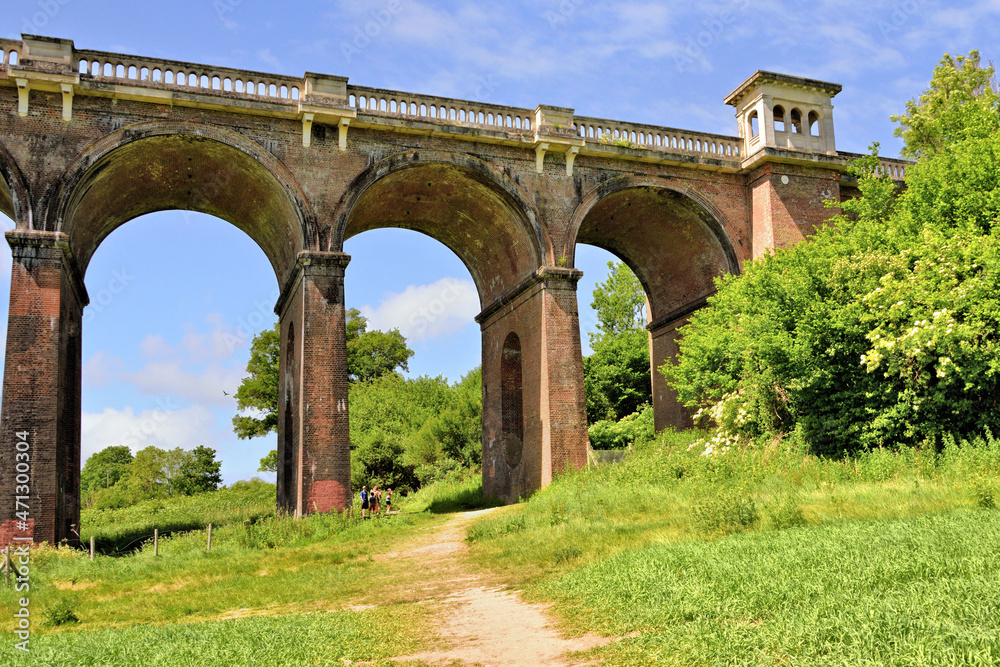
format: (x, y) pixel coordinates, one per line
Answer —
(669, 241)
(187, 173)
(448, 204)
(6, 201)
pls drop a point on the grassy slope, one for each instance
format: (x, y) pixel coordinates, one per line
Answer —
(118, 531)
(924, 590)
(755, 558)
(767, 557)
(272, 582)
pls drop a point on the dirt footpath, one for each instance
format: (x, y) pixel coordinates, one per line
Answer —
(480, 624)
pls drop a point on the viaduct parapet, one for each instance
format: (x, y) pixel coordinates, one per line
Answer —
(90, 140)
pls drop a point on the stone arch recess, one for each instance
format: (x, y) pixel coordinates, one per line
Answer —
(696, 209)
(234, 179)
(14, 200)
(512, 400)
(676, 243)
(450, 197)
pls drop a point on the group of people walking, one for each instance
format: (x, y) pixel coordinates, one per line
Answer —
(372, 501)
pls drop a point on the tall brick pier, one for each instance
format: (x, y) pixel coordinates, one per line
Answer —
(90, 140)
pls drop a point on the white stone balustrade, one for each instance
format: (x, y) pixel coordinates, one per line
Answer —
(10, 51)
(439, 109)
(177, 75)
(895, 169)
(651, 137)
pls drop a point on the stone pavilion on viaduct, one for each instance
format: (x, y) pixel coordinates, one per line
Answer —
(90, 140)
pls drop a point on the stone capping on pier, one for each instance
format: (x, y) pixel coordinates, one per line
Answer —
(55, 65)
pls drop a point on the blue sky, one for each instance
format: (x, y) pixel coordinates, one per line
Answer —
(177, 296)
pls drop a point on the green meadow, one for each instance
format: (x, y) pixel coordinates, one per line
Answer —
(758, 557)
(766, 557)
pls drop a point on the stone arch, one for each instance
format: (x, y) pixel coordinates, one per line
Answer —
(14, 200)
(674, 275)
(159, 166)
(676, 243)
(477, 212)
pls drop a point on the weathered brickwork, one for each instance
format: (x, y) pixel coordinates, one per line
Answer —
(663, 346)
(89, 141)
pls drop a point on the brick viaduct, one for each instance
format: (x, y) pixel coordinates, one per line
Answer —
(90, 140)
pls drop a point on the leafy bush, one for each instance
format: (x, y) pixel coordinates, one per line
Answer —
(986, 492)
(785, 514)
(400, 426)
(635, 428)
(378, 461)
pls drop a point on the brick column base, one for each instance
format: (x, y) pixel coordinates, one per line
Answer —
(40, 414)
(314, 454)
(539, 318)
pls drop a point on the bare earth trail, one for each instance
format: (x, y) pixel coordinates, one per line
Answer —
(478, 622)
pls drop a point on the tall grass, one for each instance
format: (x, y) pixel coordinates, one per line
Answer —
(266, 565)
(324, 638)
(917, 591)
(767, 555)
(666, 491)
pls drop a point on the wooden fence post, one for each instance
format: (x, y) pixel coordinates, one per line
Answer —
(156, 541)
(209, 537)
(91, 547)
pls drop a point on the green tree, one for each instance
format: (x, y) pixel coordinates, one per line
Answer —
(456, 432)
(153, 472)
(961, 103)
(378, 461)
(370, 355)
(198, 472)
(103, 469)
(270, 462)
(616, 374)
(620, 303)
(258, 391)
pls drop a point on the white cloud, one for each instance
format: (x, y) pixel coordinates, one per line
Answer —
(101, 369)
(268, 58)
(155, 346)
(168, 378)
(162, 427)
(427, 311)
(195, 347)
